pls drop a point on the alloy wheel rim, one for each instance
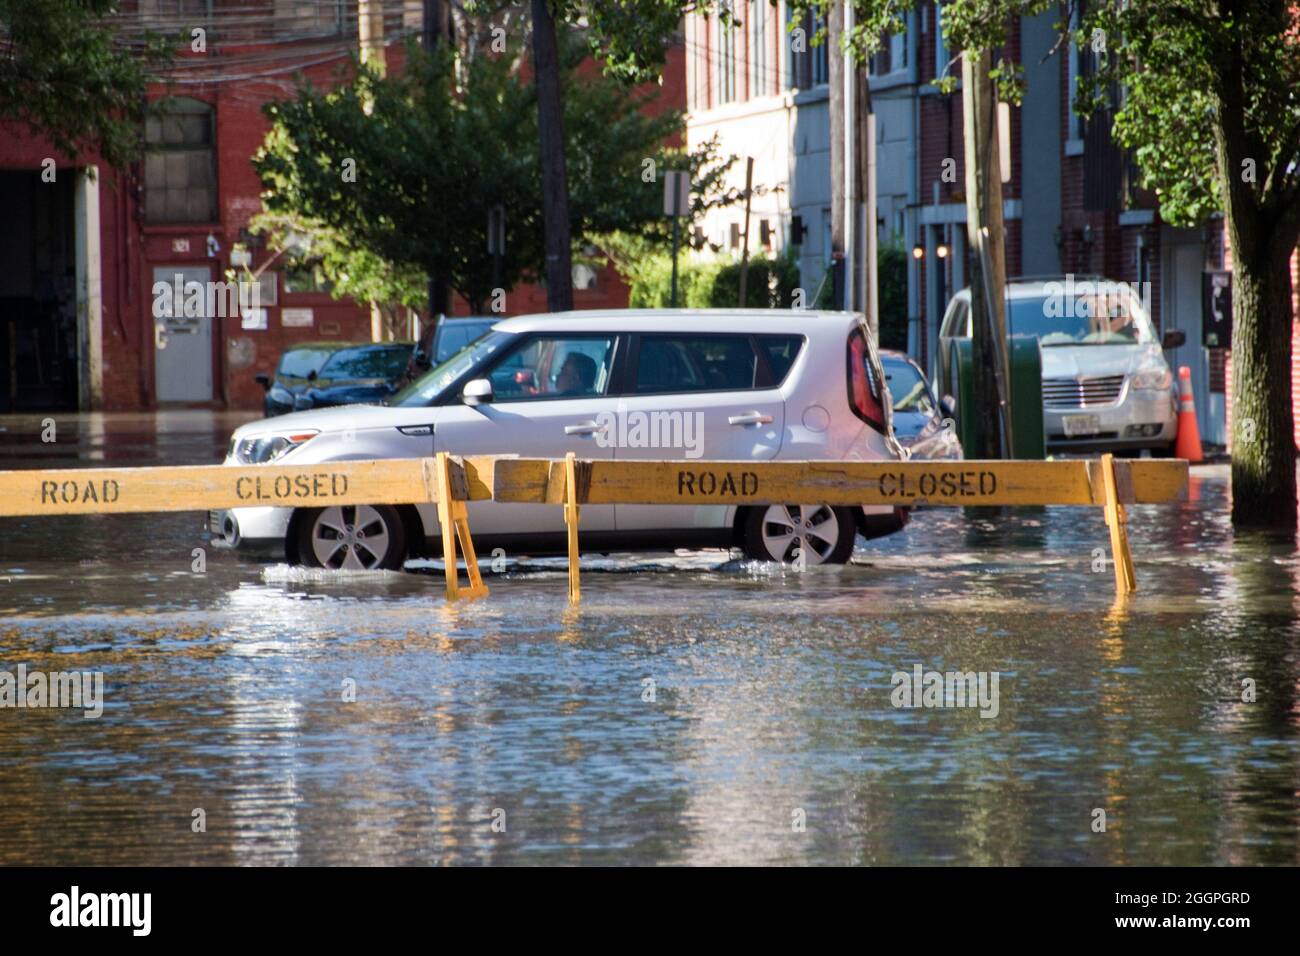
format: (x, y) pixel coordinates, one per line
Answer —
(350, 537)
(812, 529)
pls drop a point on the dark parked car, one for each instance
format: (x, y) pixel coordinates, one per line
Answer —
(347, 374)
(450, 336)
(921, 423)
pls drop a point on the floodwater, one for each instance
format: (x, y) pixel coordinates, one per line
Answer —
(695, 709)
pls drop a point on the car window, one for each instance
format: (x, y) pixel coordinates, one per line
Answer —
(554, 367)
(429, 387)
(454, 337)
(781, 351)
(1090, 314)
(385, 363)
(957, 325)
(299, 363)
(695, 363)
(907, 387)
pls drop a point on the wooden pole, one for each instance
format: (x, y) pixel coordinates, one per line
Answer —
(744, 237)
(571, 520)
(1116, 521)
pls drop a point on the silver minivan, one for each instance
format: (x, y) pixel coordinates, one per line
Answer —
(1106, 384)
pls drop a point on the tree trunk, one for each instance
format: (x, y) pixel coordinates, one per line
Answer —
(555, 187)
(1263, 430)
(841, 272)
(986, 241)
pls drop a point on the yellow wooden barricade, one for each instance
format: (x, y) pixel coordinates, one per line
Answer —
(1109, 483)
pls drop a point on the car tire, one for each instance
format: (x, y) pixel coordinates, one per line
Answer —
(823, 533)
(350, 537)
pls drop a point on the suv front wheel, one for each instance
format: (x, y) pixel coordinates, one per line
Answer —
(351, 537)
(815, 534)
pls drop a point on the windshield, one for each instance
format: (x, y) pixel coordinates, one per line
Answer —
(426, 389)
(385, 363)
(299, 363)
(907, 388)
(454, 336)
(1099, 315)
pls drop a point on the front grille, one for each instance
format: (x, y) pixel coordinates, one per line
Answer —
(1082, 392)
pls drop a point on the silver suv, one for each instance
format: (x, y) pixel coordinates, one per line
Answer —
(1106, 384)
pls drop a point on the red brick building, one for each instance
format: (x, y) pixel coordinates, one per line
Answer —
(87, 243)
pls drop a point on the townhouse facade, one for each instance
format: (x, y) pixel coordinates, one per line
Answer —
(1072, 202)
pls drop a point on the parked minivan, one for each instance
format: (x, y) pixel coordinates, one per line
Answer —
(723, 385)
(1106, 384)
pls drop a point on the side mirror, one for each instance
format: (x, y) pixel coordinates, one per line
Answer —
(261, 378)
(1173, 339)
(477, 392)
(949, 406)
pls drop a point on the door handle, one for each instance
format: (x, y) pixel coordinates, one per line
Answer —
(750, 418)
(583, 428)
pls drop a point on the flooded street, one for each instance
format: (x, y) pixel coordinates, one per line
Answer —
(694, 709)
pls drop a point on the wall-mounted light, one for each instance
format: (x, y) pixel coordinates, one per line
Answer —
(941, 250)
(918, 251)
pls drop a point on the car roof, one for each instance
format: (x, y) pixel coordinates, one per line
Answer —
(679, 320)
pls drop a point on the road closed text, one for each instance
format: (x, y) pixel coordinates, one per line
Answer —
(289, 487)
(938, 484)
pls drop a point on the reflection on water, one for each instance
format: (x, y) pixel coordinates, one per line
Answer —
(692, 710)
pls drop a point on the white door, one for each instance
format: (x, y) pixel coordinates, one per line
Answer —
(697, 397)
(1182, 310)
(182, 335)
(548, 392)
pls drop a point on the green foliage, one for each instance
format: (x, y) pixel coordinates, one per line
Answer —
(711, 283)
(1206, 86)
(435, 149)
(891, 294)
(63, 76)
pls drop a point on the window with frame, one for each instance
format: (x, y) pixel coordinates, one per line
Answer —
(725, 88)
(180, 182)
(548, 366)
(758, 81)
(695, 363)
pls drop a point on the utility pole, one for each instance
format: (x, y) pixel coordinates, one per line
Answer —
(744, 239)
(558, 271)
(985, 236)
(432, 36)
(841, 270)
(851, 171)
(370, 39)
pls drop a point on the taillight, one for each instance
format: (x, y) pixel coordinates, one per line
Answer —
(864, 384)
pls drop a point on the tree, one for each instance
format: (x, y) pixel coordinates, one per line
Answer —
(1209, 108)
(410, 185)
(628, 38)
(65, 77)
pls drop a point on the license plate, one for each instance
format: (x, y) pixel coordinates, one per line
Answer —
(1080, 424)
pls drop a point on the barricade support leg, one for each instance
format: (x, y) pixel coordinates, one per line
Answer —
(571, 521)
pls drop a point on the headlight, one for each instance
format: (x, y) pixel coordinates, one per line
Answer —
(1155, 379)
(281, 396)
(261, 449)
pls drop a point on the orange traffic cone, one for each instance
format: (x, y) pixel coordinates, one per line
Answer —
(1188, 443)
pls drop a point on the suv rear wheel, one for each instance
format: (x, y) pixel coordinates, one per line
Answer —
(819, 534)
